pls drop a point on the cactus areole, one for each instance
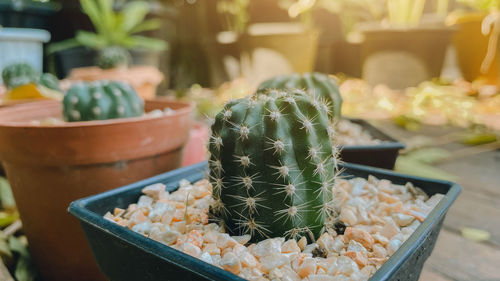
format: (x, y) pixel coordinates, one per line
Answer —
(101, 100)
(273, 165)
(317, 84)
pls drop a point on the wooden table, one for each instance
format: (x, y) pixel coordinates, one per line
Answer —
(478, 206)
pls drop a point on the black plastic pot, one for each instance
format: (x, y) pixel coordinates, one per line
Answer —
(26, 14)
(81, 57)
(125, 255)
(381, 155)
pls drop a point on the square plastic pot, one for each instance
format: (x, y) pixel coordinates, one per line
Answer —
(125, 255)
(381, 155)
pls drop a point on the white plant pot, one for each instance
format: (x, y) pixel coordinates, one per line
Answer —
(22, 45)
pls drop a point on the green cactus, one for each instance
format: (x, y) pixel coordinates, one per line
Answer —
(273, 165)
(49, 81)
(101, 100)
(19, 74)
(318, 84)
(113, 57)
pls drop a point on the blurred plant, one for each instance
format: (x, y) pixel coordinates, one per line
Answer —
(13, 245)
(352, 12)
(236, 14)
(210, 102)
(115, 28)
(405, 13)
(300, 9)
(481, 5)
(442, 7)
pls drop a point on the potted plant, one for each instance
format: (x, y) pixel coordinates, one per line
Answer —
(27, 13)
(471, 45)
(273, 190)
(340, 44)
(356, 137)
(113, 29)
(23, 84)
(409, 48)
(22, 45)
(270, 48)
(104, 140)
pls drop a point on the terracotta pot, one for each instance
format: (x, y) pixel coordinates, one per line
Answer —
(471, 46)
(403, 57)
(196, 148)
(144, 79)
(50, 166)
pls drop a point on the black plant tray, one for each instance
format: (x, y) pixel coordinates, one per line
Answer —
(125, 255)
(381, 155)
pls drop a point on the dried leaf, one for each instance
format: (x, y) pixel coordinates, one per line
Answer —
(478, 138)
(429, 155)
(409, 166)
(475, 234)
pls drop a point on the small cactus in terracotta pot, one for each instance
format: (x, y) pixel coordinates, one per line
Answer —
(24, 83)
(101, 100)
(273, 165)
(51, 164)
(113, 64)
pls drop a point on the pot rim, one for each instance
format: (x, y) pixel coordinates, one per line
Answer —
(185, 108)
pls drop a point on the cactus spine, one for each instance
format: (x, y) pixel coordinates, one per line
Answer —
(273, 165)
(101, 100)
(320, 85)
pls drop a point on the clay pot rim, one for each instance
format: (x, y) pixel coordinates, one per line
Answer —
(92, 73)
(185, 108)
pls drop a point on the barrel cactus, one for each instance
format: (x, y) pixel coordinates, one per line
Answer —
(113, 57)
(101, 100)
(273, 165)
(49, 81)
(19, 74)
(320, 85)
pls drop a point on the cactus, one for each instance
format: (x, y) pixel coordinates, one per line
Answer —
(318, 84)
(101, 100)
(273, 165)
(113, 57)
(19, 74)
(49, 81)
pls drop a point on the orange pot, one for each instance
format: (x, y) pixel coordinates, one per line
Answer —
(143, 78)
(196, 148)
(51, 166)
(471, 46)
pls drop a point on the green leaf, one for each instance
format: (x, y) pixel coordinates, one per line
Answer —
(148, 43)
(25, 269)
(63, 45)
(107, 15)
(91, 40)
(6, 198)
(7, 218)
(92, 11)
(19, 246)
(133, 14)
(151, 24)
(5, 252)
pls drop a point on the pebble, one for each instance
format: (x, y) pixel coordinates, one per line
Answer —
(376, 217)
(231, 263)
